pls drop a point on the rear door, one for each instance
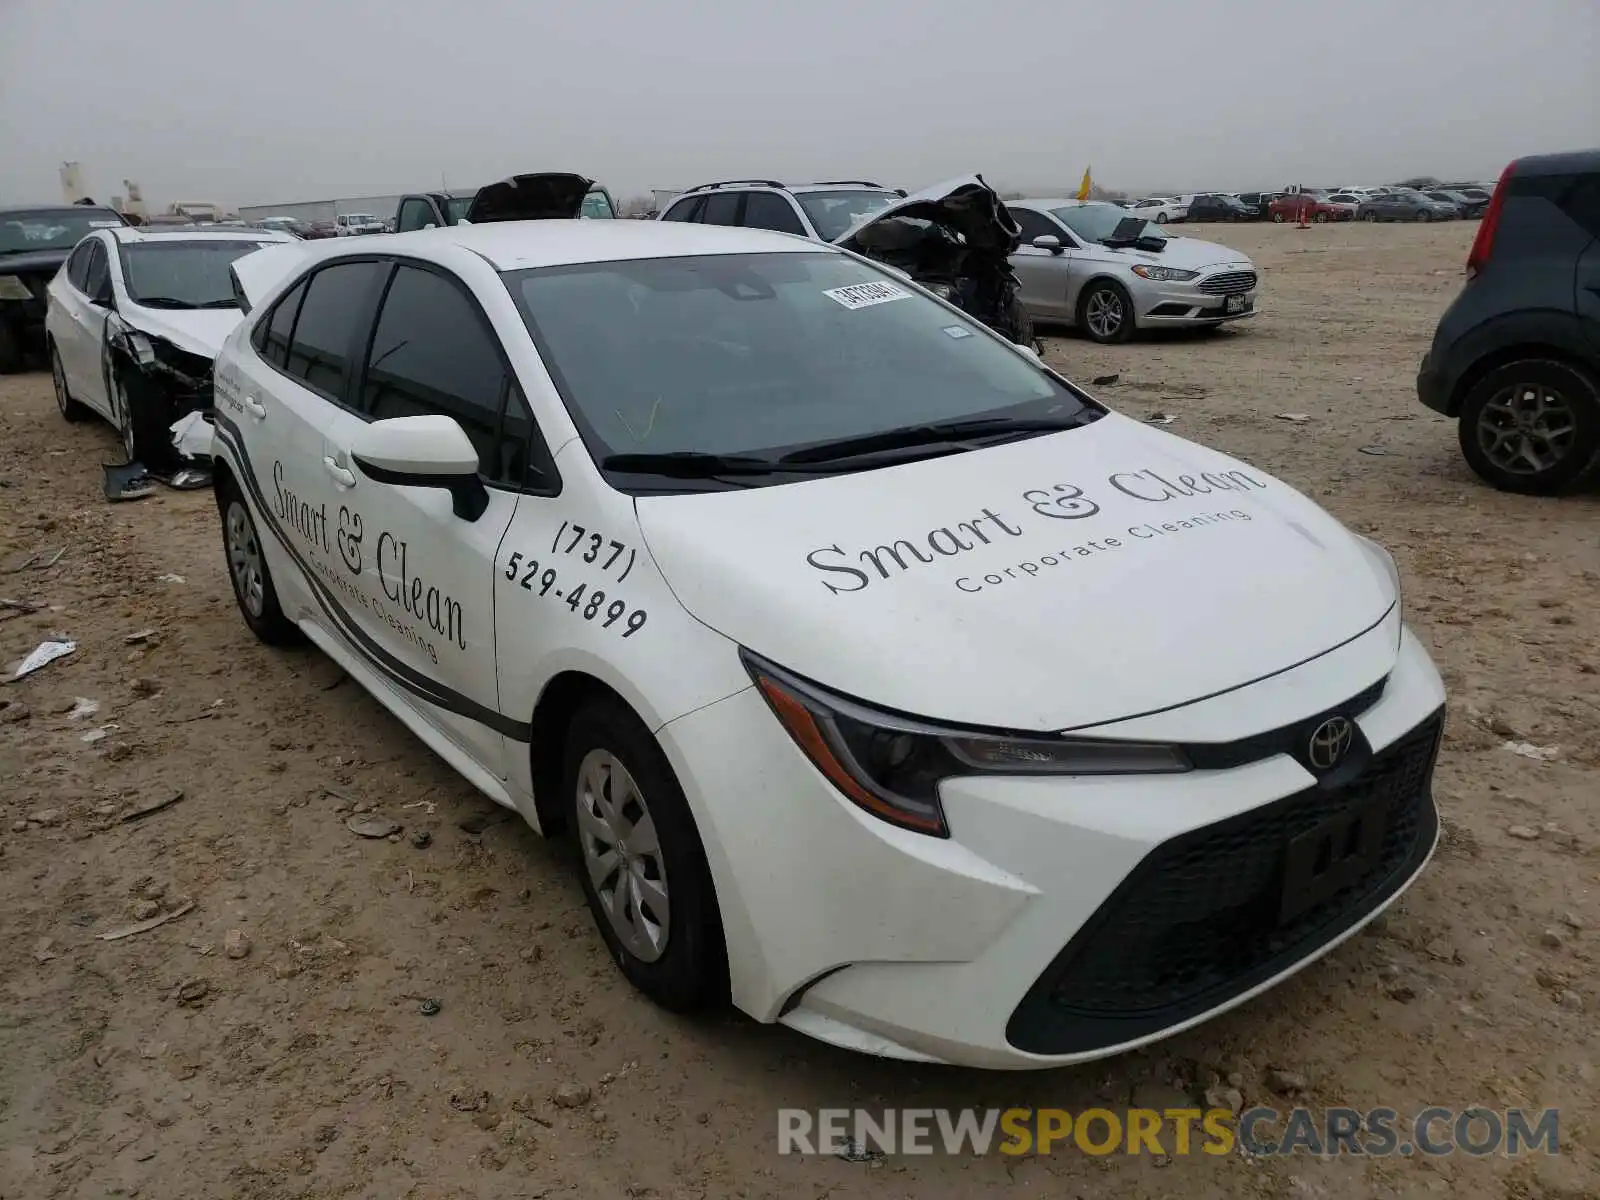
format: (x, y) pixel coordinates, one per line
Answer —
(273, 407)
(424, 577)
(69, 294)
(89, 311)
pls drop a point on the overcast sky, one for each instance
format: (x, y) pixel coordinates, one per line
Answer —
(285, 100)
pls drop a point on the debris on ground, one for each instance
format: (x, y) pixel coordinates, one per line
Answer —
(421, 839)
(1105, 380)
(42, 655)
(140, 637)
(145, 926)
(1523, 833)
(169, 577)
(127, 481)
(1294, 418)
(235, 944)
(94, 735)
(82, 707)
(372, 826)
(1377, 450)
(144, 810)
(571, 1095)
(1160, 418)
(429, 1007)
(191, 992)
(1529, 750)
(480, 821)
(38, 560)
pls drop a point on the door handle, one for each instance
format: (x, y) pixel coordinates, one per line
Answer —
(343, 476)
(255, 408)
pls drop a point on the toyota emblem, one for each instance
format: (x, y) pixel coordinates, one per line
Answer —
(1329, 742)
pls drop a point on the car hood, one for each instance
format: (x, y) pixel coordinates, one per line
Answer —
(33, 261)
(546, 195)
(1051, 583)
(967, 205)
(199, 331)
(1191, 254)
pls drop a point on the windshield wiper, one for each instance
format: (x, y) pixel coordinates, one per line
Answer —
(932, 434)
(162, 302)
(229, 303)
(690, 464)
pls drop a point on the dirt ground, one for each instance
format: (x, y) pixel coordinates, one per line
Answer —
(271, 1041)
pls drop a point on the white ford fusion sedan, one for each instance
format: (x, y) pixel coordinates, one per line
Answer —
(881, 679)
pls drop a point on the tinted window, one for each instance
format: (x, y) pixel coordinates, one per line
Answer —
(433, 352)
(722, 208)
(183, 274)
(97, 278)
(78, 266)
(272, 335)
(1033, 225)
(414, 214)
(51, 228)
(755, 353)
(683, 210)
(1582, 202)
(765, 210)
(335, 303)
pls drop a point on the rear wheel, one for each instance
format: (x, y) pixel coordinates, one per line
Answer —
(1321, 218)
(641, 861)
(248, 571)
(1161, 218)
(1278, 216)
(1423, 214)
(1532, 427)
(1370, 217)
(1105, 313)
(69, 408)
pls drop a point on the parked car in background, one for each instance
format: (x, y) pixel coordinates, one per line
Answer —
(1312, 206)
(1348, 202)
(1515, 359)
(535, 194)
(136, 317)
(1159, 209)
(1215, 206)
(820, 211)
(1466, 206)
(1109, 273)
(354, 224)
(34, 242)
(828, 599)
(1406, 204)
(293, 225)
(1257, 203)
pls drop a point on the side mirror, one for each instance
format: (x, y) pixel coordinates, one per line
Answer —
(428, 451)
(1047, 241)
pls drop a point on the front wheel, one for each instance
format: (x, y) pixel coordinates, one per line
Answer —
(1161, 218)
(1532, 427)
(1423, 215)
(1278, 217)
(1321, 218)
(248, 571)
(1371, 218)
(641, 860)
(1105, 313)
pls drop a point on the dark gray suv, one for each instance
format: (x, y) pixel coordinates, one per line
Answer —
(1516, 357)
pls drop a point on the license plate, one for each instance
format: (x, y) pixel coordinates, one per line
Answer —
(1323, 861)
(1236, 304)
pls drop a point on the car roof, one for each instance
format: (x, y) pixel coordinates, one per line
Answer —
(1572, 162)
(517, 245)
(129, 234)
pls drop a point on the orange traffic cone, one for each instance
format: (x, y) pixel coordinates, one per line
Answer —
(1305, 210)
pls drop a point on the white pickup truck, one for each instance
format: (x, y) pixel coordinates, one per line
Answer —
(350, 224)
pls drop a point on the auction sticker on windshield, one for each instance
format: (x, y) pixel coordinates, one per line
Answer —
(865, 295)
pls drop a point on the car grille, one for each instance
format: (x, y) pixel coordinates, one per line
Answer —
(1228, 283)
(1201, 918)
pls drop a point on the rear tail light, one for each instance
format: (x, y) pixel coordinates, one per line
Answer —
(1478, 256)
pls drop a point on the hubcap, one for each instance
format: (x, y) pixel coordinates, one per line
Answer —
(244, 559)
(622, 855)
(1103, 313)
(1526, 429)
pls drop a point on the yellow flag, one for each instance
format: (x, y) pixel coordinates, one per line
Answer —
(1085, 186)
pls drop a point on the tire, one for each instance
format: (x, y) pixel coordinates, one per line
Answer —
(1321, 218)
(1277, 218)
(1161, 218)
(1491, 419)
(1370, 218)
(258, 604)
(1422, 215)
(13, 357)
(71, 410)
(614, 776)
(1104, 295)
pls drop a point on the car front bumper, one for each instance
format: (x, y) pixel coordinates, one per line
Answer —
(1194, 303)
(1064, 919)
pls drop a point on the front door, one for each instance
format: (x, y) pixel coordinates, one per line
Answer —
(425, 575)
(1043, 274)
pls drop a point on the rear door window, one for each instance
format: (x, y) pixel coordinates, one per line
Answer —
(335, 309)
(272, 335)
(684, 210)
(722, 208)
(767, 210)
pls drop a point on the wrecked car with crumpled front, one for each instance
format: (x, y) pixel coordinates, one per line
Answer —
(135, 318)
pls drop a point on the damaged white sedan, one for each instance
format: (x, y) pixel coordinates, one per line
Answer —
(134, 319)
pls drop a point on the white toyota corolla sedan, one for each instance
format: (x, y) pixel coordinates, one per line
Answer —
(881, 678)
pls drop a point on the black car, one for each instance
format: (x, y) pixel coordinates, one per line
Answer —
(1255, 203)
(34, 242)
(1469, 206)
(1516, 357)
(1217, 208)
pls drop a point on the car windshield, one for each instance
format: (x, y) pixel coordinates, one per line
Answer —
(597, 206)
(179, 274)
(459, 206)
(762, 354)
(50, 228)
(1097, 222)
(832, 213)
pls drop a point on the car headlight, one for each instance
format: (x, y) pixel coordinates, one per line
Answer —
(941, 290)
(12, 288)
(891, 765)
(1164, 274)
